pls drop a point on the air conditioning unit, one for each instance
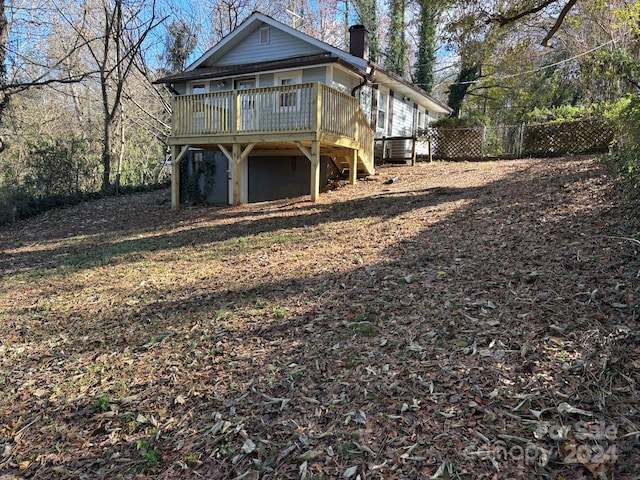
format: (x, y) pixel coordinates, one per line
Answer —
(399, 149)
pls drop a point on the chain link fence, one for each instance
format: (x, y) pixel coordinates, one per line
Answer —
(38, 193)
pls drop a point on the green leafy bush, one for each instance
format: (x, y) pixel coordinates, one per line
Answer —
(58, 173)
(564, 113)
(625, 114)
(56, 167)
(452, 122)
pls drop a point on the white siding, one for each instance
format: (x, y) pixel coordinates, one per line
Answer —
(343, 81)
(317, 74)
(281, 45)
(266, 80)
(402, 118)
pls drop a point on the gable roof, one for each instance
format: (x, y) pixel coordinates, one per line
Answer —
(255, 21)
(205, 67)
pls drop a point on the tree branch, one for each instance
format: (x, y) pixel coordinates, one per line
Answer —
(559, 20)
(504, 20)
(22, 86)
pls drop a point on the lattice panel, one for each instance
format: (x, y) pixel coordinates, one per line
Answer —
(538, 140)
(551, 139)
(457, 143)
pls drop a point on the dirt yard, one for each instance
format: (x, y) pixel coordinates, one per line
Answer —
(468, 321)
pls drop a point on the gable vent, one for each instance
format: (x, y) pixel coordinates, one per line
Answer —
(264, 35)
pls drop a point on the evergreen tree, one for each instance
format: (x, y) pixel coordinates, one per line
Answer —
(397, 49)
(426, 55)
(180, 42)
(368, 13)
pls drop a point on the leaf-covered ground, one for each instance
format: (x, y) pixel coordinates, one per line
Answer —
(470, 320)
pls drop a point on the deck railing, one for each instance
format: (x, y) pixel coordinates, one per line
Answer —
(306, 107)
(339, 112)
(303, 108)
(365, 137)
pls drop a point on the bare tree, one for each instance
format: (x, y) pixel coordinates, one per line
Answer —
(115, 33)
(325, 20)
(24, 61)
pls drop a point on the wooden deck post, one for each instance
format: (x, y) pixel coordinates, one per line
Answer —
(237, 175)
(353, 167)
(237, 106)
(316, 124)
(236, 157)
(315, 170)
(314, 158)
(175, 178)
(413, 151)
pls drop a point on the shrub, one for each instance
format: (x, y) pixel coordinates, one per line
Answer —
(452, 122)
(57, 167)
(564, 113)
(625, 114)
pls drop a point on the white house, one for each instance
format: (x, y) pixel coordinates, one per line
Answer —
(285, 111)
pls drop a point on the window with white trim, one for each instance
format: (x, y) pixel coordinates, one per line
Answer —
(383, 104)
(248, 101)
(421, 120)
(289, 99)
(198, 88)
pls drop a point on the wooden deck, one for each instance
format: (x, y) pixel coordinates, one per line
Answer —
(312, 118)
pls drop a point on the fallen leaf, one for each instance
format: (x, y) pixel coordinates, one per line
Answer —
(248, 446)
(249, 475)
(350, 472)
(564, 407)
(302, 471)
(310, 455)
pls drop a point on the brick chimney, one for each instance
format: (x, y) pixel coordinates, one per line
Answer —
(359, 41)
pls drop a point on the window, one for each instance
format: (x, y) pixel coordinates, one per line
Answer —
(198, 161)
(382, 111)
(289, 99)
(264, 35)
(245, 83)
(199, 107)
(248, 100)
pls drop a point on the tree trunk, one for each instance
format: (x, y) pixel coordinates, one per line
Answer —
(106, 154)
(121, 152)
(4, 93)
(424, 76)
(466, 78)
